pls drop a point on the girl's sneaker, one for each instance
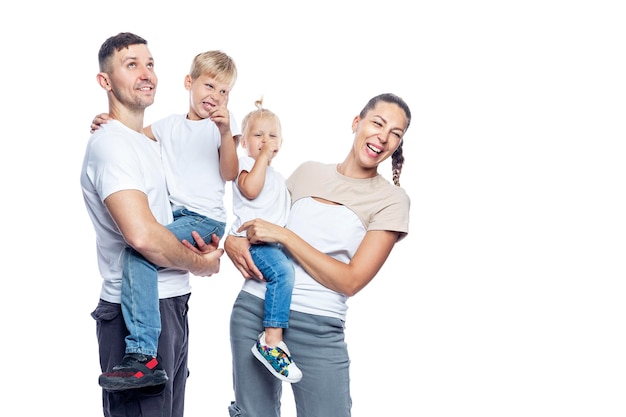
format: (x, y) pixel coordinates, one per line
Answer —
(277, 360)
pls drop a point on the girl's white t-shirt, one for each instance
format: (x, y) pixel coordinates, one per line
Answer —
(272, 203)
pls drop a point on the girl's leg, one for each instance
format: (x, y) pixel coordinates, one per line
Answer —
(270, 349)
(278, 271)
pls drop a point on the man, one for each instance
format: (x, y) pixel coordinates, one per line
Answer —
(126, 197)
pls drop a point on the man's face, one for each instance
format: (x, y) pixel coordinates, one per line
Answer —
(133, 80)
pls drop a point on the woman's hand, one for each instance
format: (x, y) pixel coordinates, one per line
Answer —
(261, 231)
(238, 250)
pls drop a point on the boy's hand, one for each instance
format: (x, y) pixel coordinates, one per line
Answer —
(221, 117)
(98, 120)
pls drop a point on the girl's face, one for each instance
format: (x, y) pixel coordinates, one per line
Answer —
(378, 134)
(205, 93)
(263, 134)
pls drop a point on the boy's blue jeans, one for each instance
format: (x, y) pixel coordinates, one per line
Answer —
(278, 271)
(140, 292)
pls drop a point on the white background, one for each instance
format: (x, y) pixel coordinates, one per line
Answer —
(507, 297)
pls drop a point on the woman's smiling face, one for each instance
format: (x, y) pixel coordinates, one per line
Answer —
(378, 134)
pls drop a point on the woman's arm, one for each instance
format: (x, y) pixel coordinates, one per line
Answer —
(347, 279)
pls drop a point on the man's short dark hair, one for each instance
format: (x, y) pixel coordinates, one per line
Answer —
(116, 43)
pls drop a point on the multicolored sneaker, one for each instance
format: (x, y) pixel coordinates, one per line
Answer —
(135, 371)
(277, 360)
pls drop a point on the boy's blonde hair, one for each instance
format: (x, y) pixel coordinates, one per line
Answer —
(215, 64)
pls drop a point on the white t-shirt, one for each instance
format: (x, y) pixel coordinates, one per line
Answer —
(118, 158)
(336, 230)
(189, 150)
(272, 203)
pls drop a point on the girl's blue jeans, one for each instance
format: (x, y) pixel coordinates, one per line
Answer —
(278, 271)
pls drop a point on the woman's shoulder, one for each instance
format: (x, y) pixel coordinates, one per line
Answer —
(390, 194)
(316, 166)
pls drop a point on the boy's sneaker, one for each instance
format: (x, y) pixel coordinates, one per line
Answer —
(136, 371)
(277, 359)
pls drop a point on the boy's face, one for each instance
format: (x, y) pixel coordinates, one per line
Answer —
(205, 93)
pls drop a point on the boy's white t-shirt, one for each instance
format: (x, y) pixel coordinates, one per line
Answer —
(189, 150)
(272, 203)
(336, 230)
(118, 158)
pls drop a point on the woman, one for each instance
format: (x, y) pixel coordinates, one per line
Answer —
(344, 221)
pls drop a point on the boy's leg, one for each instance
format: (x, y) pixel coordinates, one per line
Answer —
(140, 294)
(139, 366)
(186, 221)
(140, 306)
(140, 303)
(166, 400)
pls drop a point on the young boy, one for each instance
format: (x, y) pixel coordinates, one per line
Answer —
(261, 192)
(199, 154)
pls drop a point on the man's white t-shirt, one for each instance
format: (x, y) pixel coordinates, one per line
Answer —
(118, 158)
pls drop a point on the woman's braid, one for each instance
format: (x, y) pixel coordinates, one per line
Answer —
(397, 160)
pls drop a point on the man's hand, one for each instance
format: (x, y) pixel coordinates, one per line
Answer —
(201, 246)
(209, 251)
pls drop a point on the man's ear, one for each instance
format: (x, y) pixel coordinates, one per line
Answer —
(103, 80)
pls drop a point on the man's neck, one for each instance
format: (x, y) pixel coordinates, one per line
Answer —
(133, 119)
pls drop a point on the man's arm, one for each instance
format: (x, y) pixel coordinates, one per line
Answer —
(131, 213)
